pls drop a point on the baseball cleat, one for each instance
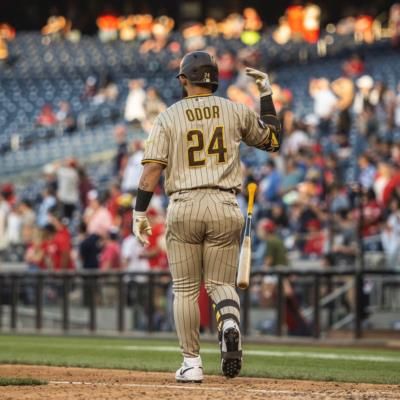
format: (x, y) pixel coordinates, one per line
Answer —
(231, 352)
(190, 372)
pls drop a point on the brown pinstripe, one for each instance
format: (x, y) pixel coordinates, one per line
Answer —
(203, 233)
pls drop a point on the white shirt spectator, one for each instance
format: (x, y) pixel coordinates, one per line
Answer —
(68, 185)
(4, 210)
(397, 110)
(132, 172)
(391, 241)
(295, 141)
(134, 108)
(14, 228)
(324, 103)
(131, 254)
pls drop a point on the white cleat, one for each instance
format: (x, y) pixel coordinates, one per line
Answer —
(191, 371)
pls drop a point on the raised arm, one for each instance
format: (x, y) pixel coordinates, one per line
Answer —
(267, 127)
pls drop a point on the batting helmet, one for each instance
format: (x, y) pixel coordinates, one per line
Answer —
(199, 67)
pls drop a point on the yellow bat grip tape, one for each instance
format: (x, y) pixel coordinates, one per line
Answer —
(251, 188)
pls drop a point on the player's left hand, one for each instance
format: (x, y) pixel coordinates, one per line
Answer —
(141, 227)
(262, 81)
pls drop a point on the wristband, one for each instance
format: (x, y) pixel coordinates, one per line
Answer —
(267, 106)
(143, 200)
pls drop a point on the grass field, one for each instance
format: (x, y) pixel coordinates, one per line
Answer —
(20, 382)
(273, 361)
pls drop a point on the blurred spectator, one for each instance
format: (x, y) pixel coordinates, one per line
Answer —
(7, 33)
(14, 226)
(4, 211)
(276, 253)
(56, 27)
(112, 203)
(354, 66)
(85, 186)
(48, 202)
(311, 22)
(108, 26)
(325, 103)
(97, 218)
(35, 256)
(283, 32)
(107, 91)
(133, 259)
(270, 184)
(161, 29)
(110, 256)
(47, 117)
(59, 246)
(133, 168)
(65, 117)
(397, 108)
(367, 171)
(89, 248)
(27, 220)
(90, 89)
(363, 29)
(296, 138)
(68, 187)
(226, 69)
(394, 24)
(295, 16)
(4, 54)
(391, 236)
(122, 148)
(153, 106)
(363, 96)
(134, 107)
(314, 240)
(344, 247)
(343, 88)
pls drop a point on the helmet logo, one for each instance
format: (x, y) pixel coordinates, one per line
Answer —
(207, 77)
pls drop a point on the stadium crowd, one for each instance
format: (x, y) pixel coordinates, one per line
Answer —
(303, 192)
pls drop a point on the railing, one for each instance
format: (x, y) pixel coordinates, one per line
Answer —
(11, 282)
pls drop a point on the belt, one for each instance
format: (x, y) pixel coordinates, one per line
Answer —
(229, 190)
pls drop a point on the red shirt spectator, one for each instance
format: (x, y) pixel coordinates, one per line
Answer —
(110, 257)
(58, 248)
(47, 116)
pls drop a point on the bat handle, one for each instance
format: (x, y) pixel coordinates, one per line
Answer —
(251, 188)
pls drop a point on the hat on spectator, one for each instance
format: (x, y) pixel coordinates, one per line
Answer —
(268, 226)
(93, 195)
(125, 200)
(365, 82)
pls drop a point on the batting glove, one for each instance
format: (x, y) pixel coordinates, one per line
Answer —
(262, 81)
(141, 227)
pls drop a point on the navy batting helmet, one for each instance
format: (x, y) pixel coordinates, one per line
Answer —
(199, 67)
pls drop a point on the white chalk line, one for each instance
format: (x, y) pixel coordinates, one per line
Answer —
(201, 387)
(270, 353)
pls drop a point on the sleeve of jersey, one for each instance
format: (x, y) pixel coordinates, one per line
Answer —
(157, 145)
(260, 134)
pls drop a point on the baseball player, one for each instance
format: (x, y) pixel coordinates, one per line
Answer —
(196, 141)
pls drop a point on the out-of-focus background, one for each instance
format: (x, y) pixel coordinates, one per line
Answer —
(81, 83)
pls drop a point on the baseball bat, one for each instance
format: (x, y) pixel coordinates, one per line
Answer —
(243, 276)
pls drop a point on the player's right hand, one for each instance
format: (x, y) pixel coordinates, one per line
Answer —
(262, 81)
(141, 227)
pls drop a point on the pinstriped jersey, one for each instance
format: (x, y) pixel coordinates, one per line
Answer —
(197, 140)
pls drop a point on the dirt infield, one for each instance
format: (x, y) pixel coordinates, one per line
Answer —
(100, 384)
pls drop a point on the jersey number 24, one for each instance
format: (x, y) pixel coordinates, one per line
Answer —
(215, 147)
